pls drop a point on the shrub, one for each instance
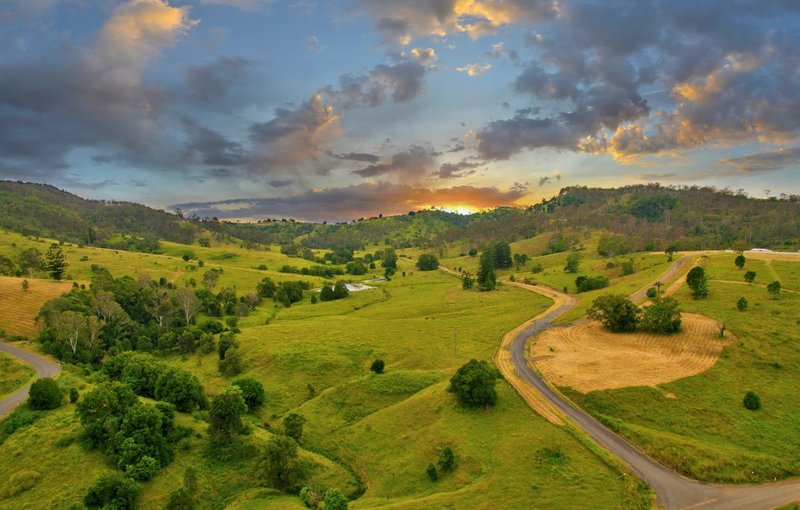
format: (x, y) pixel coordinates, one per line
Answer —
(742, 304)
(310, 497)
(474, 384)
(146, 468)
(447, 459)
(252, 392)
(427, 262)
(232, 364)
(112, 492)
(335, 500)
(588, 283)
(628, 267)
(751, 401)
(45, 394)
(377, 366)
(774, 288)
(431, 472)
(652, 292)
(73, 395)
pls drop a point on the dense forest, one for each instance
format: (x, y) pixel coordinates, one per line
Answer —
(650, 217)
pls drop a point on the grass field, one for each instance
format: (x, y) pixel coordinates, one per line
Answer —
(19, 307)
(13, 374)
(705, 431)
(378, 432)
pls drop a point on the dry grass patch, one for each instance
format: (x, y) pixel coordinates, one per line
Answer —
(19, 308)
(587, 357)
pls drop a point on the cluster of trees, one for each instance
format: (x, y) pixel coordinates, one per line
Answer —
(587, 283)
(619, 314)
(285, 293)
(447, 463)
(321, 271)
(338, 291)
(31, 262)
(124, 314)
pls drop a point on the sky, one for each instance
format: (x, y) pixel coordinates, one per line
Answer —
(335, 110)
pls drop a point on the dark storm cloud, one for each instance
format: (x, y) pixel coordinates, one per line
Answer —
(360, 200)
(764, 161)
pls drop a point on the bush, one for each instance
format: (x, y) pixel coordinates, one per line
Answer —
(377, 366)
(652, 292)
(145, 469)
(447, 459)
(742, 304)
(73, 395)
(45, 394)
(431, 472)
(588, 283)
(335, 500)
(310, 497)
(427, 262)
(113, 491)
(232, 364)
(474, 384)
(293, 426)
(751, 401)
(252, 392)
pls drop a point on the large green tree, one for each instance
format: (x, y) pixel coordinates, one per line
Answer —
(697, 280)
(615, 311)
(487, 280)
(56, 262)
(225, 416)
(474, 384)
(663, 316)
(279, 465)
(427, 262)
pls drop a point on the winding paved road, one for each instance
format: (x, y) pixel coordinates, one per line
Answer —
(673, 491)
(44, 367)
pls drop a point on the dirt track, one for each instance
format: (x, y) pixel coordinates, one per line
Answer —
(44, 367)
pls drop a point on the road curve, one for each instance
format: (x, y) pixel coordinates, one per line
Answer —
(44, 367)
(673, 491)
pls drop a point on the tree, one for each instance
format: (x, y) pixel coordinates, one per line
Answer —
(742, 304)
(252, 392)
(615, 311)
(293, 426)
(30, 260)
(45, 394)
(105, 306)
(188, 303)
(377, 366)
(473, 252)
(502, 254)
(447, 459)
(225, 416)
(739, 261)
(73, 395)
(486, 277)
(520, 259)
(159, 306)
(663, 316)
(26, 285)
(671, 251)
(326, 293)
(226, 341)
(181, 388)
(749, 276)
(474, 384)
(232, 363)
(467, 282)
(335, 500)
(573, 262)
(69, 327)
(278, 464)
(389, 263)
(210, 279)
(774, 289)
(141, 447)
(431, 472)
(697, 281)
(266, 288)
(112, 492)
(56, 262)
(652, 292)
(101, 410)
(751, 401)
(427, 262)
(340, 290)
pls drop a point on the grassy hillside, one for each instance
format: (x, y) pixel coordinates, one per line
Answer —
(364, 431)
(13, 374)
(705, 432)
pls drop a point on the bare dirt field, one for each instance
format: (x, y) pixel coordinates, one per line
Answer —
(587, 357)
(19, 308)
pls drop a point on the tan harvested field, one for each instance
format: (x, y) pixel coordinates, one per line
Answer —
(19, 308)
(587, 357)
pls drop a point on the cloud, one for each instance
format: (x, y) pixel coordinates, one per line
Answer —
(90, 98)
(499, 51)
(544, 180)
(474, 69)
(212, 83)
(245, 5)
(409, 164)
(425, 56)
(455, 170)
(293, 136)
(313, 44)
(402, 81)
(761, 162)
(360, 200)
(358, 156)
(211, 148)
